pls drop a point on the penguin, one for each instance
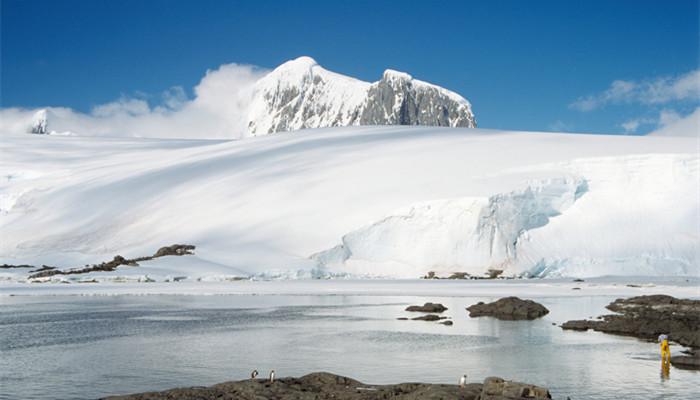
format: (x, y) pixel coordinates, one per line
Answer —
(254, 374)
(272, 376)
(463, 381)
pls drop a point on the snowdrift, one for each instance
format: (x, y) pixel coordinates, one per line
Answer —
(389, 201)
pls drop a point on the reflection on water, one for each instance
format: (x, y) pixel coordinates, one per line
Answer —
(87, 347)
(665, 368)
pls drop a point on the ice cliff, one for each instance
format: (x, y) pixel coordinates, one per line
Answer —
(455, 235)
(626, 224)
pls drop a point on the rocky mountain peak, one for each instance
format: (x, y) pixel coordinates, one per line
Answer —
(301, 94)
(40, 123)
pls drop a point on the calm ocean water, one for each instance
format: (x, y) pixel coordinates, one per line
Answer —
(84, 347)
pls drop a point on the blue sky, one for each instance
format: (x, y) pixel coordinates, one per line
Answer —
(573, 66)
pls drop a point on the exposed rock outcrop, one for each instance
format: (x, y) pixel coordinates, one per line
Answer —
(323, 385)
(40, 124)
(301, 94)
(174, 250)
(509, 308)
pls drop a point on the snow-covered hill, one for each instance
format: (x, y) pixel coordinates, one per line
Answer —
(376, 201)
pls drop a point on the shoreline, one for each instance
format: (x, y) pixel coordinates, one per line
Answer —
(681, 287)
(326, 385)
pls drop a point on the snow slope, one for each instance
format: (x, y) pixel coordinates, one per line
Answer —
(389, 201)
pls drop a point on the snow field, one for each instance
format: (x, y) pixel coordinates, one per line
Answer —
(401, 201)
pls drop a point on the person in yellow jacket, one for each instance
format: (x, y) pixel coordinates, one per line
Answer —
(663, 339)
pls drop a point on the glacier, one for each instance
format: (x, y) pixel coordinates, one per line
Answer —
(365, 201)
(551, 227)
(471, 235)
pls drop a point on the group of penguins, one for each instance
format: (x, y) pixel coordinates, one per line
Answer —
(255, 373)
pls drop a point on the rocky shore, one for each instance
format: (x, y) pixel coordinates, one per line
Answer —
(323, 385)
(646, 317)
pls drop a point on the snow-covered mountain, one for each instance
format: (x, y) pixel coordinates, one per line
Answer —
(236, 102)
(388, 201)
(301, 94)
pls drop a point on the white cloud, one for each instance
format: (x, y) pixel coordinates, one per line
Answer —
(668, 123)
(680, 126)
(123, 106)
(653, 91)
(218, 110)
(560, 126)
(175, 98)
(631, 126)
(667, 117)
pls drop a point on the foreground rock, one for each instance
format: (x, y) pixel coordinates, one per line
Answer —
(646, 317)
(508, 308)
(497, 389)
(322, 385)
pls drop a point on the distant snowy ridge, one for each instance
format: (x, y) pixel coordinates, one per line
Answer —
(301, 94)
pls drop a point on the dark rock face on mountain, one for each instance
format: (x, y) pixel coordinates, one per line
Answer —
(39, 123)
(300, 94)
(648, 316)
(323, 385)
(508, 308)
(399, 100)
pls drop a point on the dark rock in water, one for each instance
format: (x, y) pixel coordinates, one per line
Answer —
(577, 325)
(508, 308)
(689, 362)
(429, 317)
(428, 308)
(648, 316)
(323, 385)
